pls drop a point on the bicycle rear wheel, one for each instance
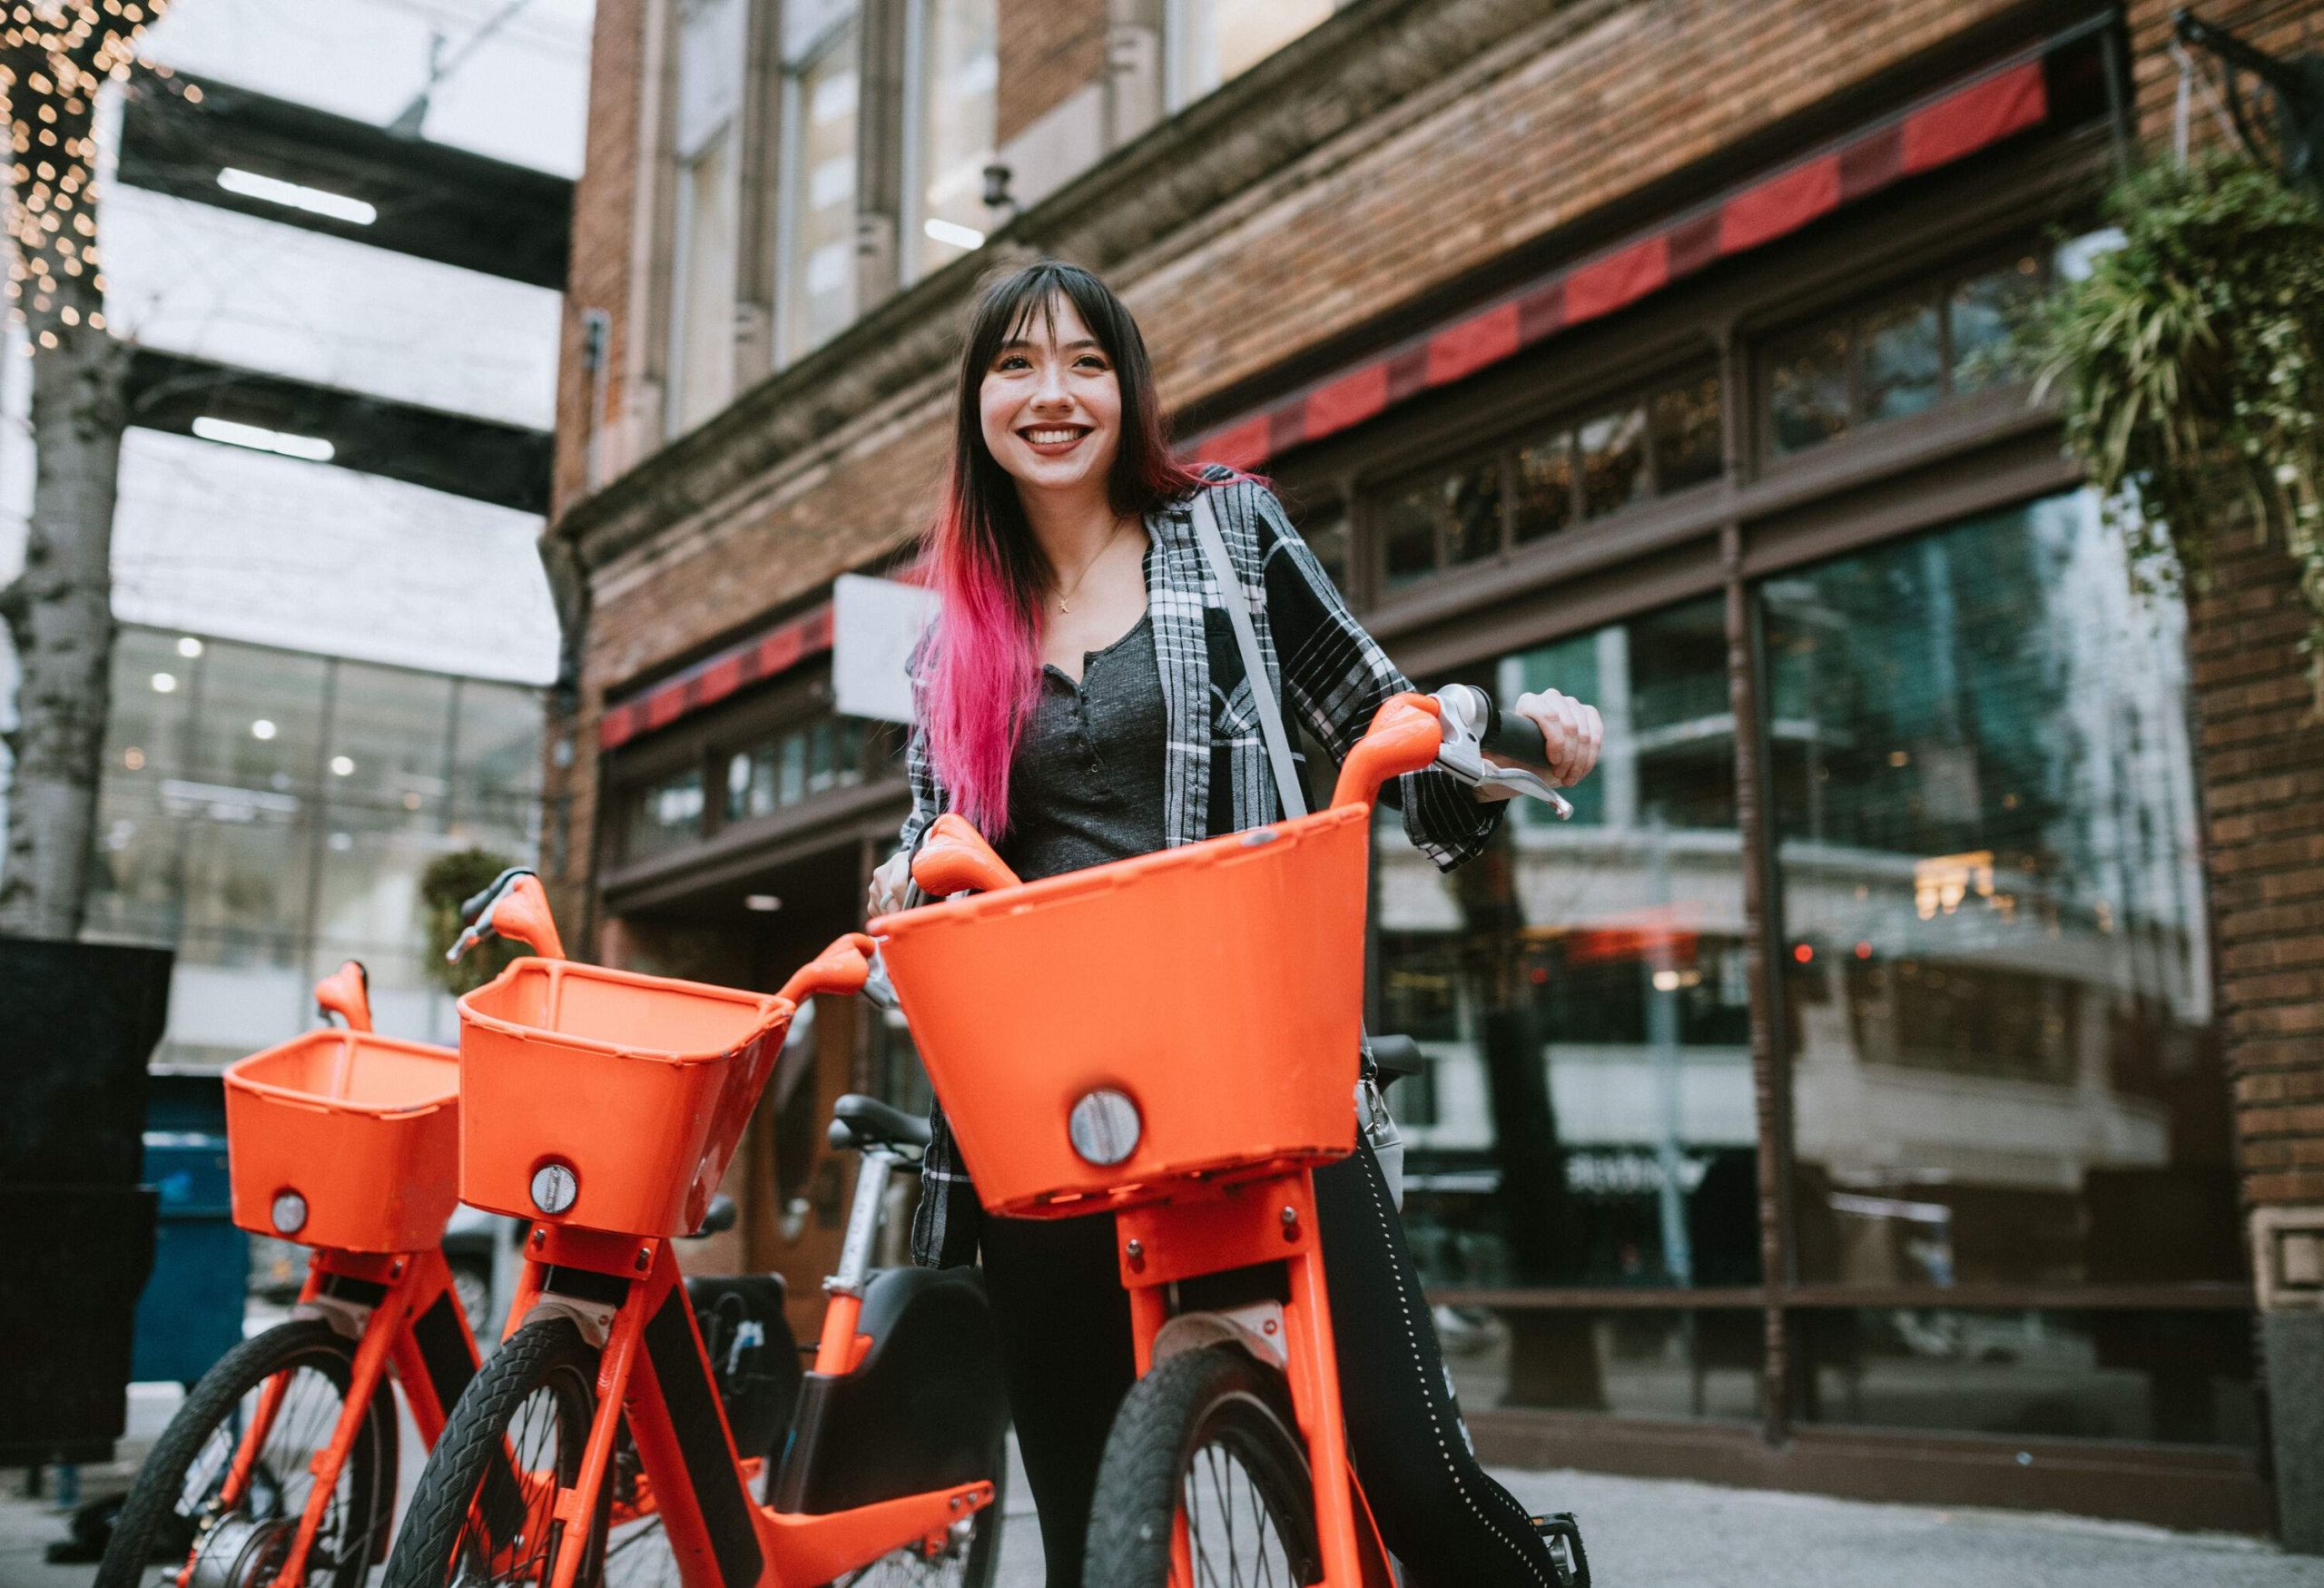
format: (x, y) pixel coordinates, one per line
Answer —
(1208, 1435)
(173, 1515)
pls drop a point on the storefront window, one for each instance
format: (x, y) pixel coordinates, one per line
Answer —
(663, 815)
(1947, 339)
(711, 53)
(1998, 996)
(794, 764)
(1587, 1118)
(1664, 439)
(959, 70)
(390, 738)
(258, 717)
(819, 185)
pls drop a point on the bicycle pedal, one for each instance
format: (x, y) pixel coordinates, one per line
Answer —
(1562, 1534)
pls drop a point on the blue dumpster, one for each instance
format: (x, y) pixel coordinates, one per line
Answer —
(190, 1313)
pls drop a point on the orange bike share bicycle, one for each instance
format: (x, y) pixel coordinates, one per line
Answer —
(280, 1466)
(593, 1447)
(1188, 1075)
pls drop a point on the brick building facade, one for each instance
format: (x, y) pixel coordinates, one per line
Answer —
(1924, 1018)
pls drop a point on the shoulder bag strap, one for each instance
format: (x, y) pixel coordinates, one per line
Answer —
(1246, 640)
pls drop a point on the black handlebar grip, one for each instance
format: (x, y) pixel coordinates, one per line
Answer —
(1517, 737)
(473, 905)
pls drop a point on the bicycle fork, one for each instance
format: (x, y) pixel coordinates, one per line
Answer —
(1262, 1221)
(403, 1314)
(627, 1296)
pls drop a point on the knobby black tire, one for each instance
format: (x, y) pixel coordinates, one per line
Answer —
(1214, 1398)
(152, 1531)
(547, 1355)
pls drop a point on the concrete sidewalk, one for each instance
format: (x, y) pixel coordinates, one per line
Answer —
(1682, 1536)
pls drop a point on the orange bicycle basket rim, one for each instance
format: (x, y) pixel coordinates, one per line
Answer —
(362, 1130)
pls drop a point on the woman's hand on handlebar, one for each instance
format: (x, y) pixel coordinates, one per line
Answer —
(889, 882)
(1573, 733)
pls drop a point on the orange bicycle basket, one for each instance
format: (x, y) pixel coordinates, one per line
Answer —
(1100, 1037)
(638, 1086)
(1218, 987)
(343, 1138)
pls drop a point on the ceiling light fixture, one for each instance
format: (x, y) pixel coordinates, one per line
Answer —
(311, 449)
(291, 196)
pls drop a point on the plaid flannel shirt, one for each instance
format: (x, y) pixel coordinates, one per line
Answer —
(1328, 672)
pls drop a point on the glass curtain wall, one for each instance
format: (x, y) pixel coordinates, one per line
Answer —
(269, 815)
(955, 114)
(711, 52)
(1996, 1008)
(822, 76)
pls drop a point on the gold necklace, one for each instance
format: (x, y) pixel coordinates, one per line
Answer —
(1064, 601)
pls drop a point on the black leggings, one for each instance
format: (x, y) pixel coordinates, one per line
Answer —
(1064, 1324)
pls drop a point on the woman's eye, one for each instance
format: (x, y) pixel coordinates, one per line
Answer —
(1091, 362)
(1013, 362)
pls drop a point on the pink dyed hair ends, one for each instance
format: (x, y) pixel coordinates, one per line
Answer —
(986, 674)
(983, 674)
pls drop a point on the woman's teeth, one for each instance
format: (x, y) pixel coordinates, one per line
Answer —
(1053, 438)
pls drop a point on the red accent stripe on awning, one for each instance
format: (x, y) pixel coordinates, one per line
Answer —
(712, 680)
(1983, 112)
(1944, 128)
(1784, 202)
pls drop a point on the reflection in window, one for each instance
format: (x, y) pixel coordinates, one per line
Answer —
(1947, 339)
(794, 765)
(1807, 390)
(1688, 448)
(2171, 1378)
(1997, 990)
(663, 815)
(819, 193)
(1666, 440)
(1902, 360)
(1625, 1361)
(1545, 487)
(1983, 315)
(1216, 40)
(1581, 999)
(496, 756)
(1613, 461)
(959, 69)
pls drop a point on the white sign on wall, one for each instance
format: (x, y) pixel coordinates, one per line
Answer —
(875, 623)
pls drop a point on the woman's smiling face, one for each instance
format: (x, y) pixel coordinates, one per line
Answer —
(1051, 405)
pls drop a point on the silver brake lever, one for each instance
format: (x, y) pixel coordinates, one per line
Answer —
(1463, 754)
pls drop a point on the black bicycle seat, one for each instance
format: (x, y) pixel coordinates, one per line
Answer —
(1394, 1058)
(718, 1218)
(859, 1122)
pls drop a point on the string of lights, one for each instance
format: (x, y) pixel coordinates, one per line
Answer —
(55, 58)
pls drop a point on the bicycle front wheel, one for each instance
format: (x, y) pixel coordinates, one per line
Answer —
(484, 1515)
(1207, 1436)
(177, 1514)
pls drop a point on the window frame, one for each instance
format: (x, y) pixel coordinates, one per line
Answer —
(843, 28)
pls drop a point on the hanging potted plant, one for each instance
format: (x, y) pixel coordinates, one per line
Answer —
(2189, 364)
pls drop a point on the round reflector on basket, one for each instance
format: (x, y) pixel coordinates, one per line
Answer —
(1104, 1126)
(554, 1186)
(289, 1212)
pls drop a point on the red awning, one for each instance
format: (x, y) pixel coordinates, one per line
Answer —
(1939, 130)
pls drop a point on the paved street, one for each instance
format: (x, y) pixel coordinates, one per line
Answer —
(1685, 1536)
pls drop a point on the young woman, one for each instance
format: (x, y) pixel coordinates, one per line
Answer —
(1083, 700)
